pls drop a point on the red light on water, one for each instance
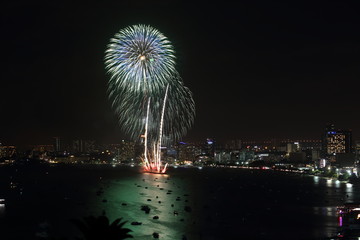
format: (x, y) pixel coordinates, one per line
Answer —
(155, 168)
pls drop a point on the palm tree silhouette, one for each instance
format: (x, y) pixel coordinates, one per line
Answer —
(96, 228)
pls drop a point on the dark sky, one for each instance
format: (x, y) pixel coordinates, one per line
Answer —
(257, 69)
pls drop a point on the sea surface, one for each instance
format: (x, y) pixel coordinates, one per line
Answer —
(191, 203)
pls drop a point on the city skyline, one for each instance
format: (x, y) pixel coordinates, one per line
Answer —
(329, 133)
(256, 70)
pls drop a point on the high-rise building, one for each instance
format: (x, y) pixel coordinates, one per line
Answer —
(222, 157)
(233, 144)
(357, 150)
(42, 148)
(84, 146)
(78, 146)
(186, 152)
(126, 151)
(292, 147)
(7, 151)
(336, 140)
(209, 147)
(315, 155)
(246, 155)
(89, 146)
(57, 144)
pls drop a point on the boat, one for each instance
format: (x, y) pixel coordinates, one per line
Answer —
(136, 223)
(349, 220)
(347, 208)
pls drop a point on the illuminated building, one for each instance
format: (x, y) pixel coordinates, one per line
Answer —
(126, 151)
(292, 147)
(186, 152)
(7, 151)
(322, 163)
(83, 146)
(284, 145)
(209, 148)
(42, 152)
(302, 144)
(246, 156)
(336, 141)
(233, 144)
(43, 148)
(310, 144)
(222, 157)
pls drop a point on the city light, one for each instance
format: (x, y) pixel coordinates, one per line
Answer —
(2, 203)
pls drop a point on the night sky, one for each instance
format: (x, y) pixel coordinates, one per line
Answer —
(257, 70)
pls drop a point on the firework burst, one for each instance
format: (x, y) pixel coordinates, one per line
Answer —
(141, 63)
(140, 59)
(179, 114)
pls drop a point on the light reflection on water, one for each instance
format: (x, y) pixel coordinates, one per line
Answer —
(329, 182)
(341, 190)
(2, 207)
(148, 187)
(316, 180)
(160, 193)
(337, 183)
(2, 210)
(222, 201)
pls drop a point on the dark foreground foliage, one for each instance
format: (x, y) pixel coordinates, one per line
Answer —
(96, 228)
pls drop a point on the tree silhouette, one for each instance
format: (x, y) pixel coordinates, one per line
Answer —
(98, 228)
